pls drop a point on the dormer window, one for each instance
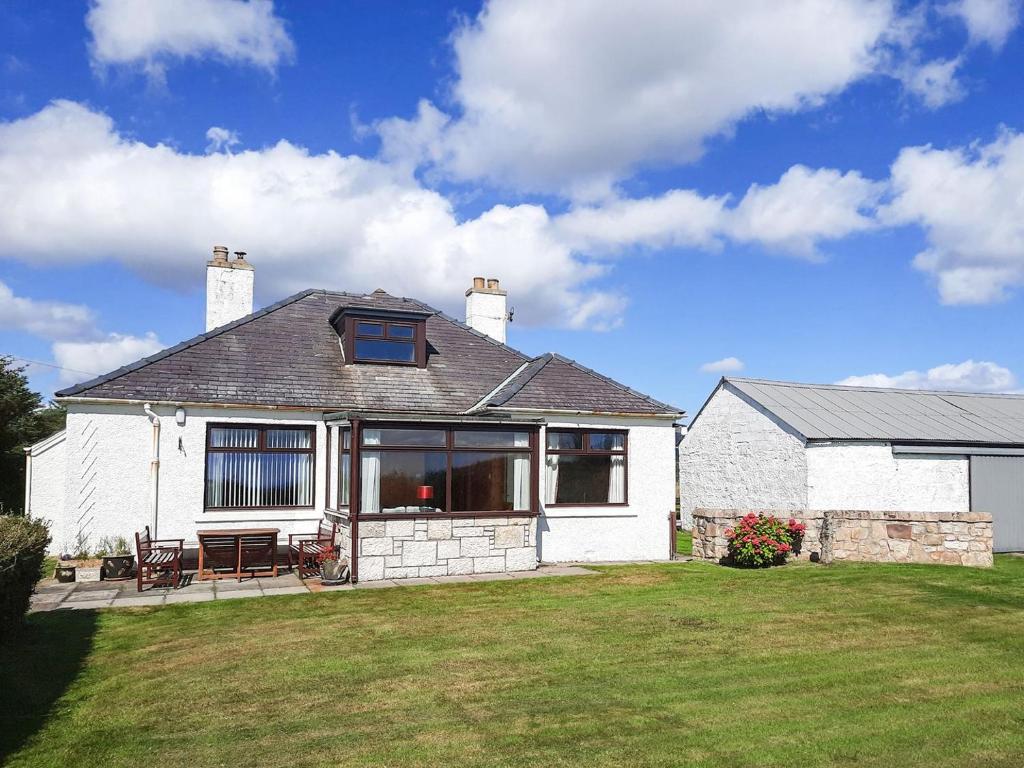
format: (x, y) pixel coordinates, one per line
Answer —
(382, 336)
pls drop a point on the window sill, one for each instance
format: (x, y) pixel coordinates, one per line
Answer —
(584, 510)
(441, 515)
(263, 515)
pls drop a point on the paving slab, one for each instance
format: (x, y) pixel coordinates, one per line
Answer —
(315, 586)
(229, 586)
(141, 600)
(81, 605)
(376, 584)
(94, 586)
(54, 589)
(83, 595)
(238, 594)
(490, 576)
(287, 580)
(529, 574)
(190, 597)
(419, 580)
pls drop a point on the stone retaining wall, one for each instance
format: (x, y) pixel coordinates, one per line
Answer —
(956, 538)
(421, 547)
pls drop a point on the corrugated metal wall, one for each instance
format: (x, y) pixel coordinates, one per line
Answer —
(997, 487)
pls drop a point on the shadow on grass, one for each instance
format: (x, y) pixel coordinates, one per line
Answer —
(37, 665)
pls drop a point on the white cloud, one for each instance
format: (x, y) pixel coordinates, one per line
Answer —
(48, 319)
(155, 32)
(557, 96)
(805, 207)
(102, 356)
(76, 191)
(725, 365)
(935, 82)
(987, 21)
(969, 203)
(968, 376)
(221, 139)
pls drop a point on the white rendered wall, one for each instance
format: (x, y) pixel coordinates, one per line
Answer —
(737, 456)
(866, 476)
(228, 294)
(637, 531)
(486, 312)
(45, 492)
(107, 473)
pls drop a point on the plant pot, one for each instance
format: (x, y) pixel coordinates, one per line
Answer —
(65, 574)
(333, 571)
(116, 567)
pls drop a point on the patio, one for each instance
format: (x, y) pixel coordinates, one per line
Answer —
(51, 595)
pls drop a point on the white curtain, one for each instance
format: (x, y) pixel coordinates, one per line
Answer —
(370, 474)
(521, 474)
(617, 480)
(551, 479)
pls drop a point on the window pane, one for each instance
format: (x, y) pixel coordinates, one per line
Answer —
(369, 329)
(490, 482)
(248, 479)
(401, 332)
(233, 437)
(426, 438)
(344, 478)
(403, 481)
(607, 441)
(346, 438)
(585, 479)
(481, 438)
(565, 441)
(289, 438)
(392, 351)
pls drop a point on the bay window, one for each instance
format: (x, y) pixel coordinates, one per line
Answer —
(437, 470)
(585, 467)
(257, 466)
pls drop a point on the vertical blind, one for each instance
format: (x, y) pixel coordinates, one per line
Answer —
(259, 467)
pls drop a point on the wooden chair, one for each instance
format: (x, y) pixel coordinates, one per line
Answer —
(304, 548)
(159, 560)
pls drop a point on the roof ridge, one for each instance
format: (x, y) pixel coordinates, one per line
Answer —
(527, 373)
(182, 345)
(613, 382)
(863, 388)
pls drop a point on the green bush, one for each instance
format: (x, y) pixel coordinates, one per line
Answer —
(22, 549)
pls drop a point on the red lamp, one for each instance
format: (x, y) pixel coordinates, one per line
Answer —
(425, 492)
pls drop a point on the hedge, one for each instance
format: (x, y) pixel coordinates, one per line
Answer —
(23, 545)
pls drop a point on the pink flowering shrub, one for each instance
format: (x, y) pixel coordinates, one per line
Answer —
(759, 542)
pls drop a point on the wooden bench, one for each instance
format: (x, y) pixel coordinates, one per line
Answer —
(305, 549)
(159, 560)
(233, 553)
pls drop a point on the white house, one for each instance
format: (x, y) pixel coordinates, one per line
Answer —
(436, 447)
(773, 445)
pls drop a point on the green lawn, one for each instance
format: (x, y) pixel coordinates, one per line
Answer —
(663, 665)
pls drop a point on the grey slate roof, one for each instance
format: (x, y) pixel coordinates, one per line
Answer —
(833, 412)
(287, 354)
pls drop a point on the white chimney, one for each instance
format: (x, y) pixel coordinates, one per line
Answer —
(228, 288)
(487, 308)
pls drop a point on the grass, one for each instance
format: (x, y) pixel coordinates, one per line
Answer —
(663, 665)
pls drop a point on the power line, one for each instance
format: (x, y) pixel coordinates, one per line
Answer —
(48, 365)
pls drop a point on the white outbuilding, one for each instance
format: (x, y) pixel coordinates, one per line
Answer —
(758, 444)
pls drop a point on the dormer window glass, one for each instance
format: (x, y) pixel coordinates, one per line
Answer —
(386, 337)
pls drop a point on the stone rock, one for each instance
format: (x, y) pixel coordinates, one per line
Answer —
(401, 573)
(371, 528)
(459, 566)
(419, 553)
(495, 564)
(405, 528)
(374, 545)
(506, 536)
(371, 568)
(520, 558)
(439, 529)
(475, 546)
(899, 531)
(449, 548)
(434, 570)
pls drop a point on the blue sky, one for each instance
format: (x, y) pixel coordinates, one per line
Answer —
(806, 192)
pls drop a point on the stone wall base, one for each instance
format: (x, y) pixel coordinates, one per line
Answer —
(954, 538)
(423, 547)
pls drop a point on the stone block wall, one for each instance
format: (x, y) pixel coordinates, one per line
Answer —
(955, 538)
(422, 547)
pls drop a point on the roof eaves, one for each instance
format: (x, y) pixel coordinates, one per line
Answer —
(163, 354)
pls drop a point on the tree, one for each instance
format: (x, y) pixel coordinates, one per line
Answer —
(23, 421)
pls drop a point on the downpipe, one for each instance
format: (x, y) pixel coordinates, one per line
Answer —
(154, 470)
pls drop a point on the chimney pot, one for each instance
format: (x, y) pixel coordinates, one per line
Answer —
(240, 255)
(492, 284)
(478, 282)
(220, 253)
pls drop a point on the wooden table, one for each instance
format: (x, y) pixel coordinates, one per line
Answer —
(228, 548)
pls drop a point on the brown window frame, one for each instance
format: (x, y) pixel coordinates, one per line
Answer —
(419, 340)
(261, 448)
(585, 450)
(344, 456)
(449, 448)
